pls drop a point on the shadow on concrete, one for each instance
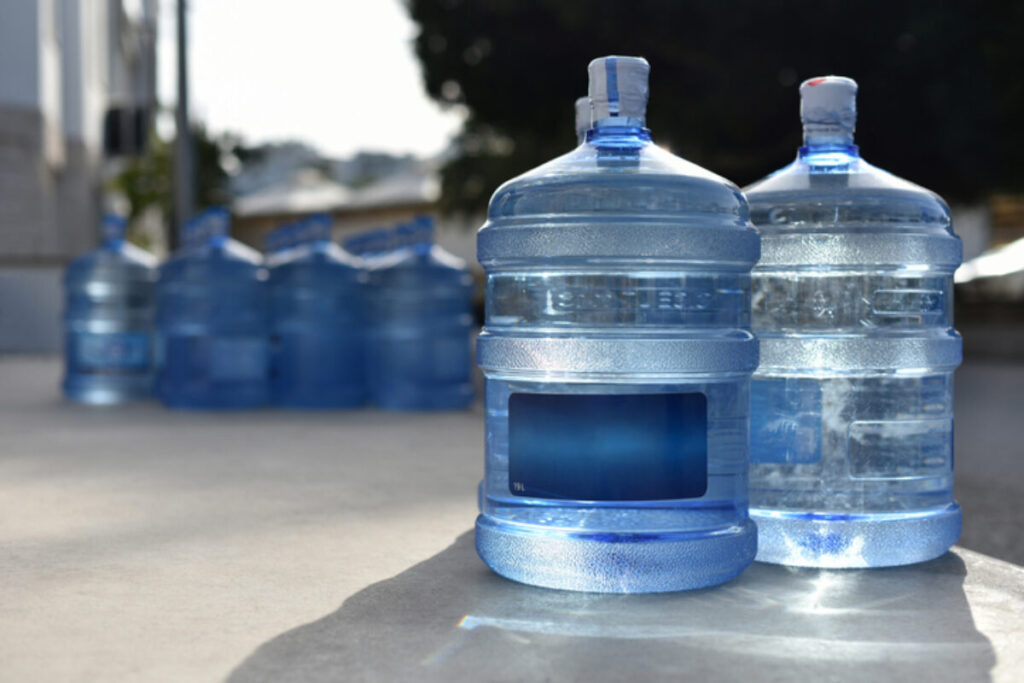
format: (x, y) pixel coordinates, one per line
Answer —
(450, 618)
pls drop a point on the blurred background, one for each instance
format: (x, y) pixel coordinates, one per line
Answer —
(375, 112)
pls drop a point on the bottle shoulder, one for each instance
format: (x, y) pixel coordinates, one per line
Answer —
(636, 179)
(843, 191)
(317, 254)
(218, 256)
(436, 258)
(121, 260)
(411, 267)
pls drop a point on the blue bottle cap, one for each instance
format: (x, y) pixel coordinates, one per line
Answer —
(212, 223)
(112, 227)
(316, 228)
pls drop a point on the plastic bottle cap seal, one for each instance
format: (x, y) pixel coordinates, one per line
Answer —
(618, 87)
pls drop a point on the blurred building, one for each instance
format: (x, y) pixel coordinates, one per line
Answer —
(367, 191)
(77, 87)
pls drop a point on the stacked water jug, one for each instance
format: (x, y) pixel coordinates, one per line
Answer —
(224, 328)
(618, 354)
(420, 323)
(108, 321)
(317, 320)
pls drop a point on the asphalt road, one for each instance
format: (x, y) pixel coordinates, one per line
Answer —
(138, 543)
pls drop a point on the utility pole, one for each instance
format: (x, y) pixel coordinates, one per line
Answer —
(184, 158)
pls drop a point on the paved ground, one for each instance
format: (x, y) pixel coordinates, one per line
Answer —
(990, 457)
(142, 544)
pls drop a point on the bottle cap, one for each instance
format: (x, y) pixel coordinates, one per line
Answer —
(828, 106)
(207, 225)
(315, 228)
(582, 117)
(112, 227)
(618, 87)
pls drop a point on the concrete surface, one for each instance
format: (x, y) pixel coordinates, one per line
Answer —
(146, 545)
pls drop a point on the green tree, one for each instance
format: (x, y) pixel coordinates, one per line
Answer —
(148, 180)
(940, 99)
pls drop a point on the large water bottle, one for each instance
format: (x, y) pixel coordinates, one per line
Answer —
(617, 355)
(212, 320)
(852, 406)
(317, 321)
(420, 304)
(108, 320)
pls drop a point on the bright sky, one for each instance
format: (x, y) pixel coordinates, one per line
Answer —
(338, 74)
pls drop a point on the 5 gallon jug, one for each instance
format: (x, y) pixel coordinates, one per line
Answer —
(852, 406)
(317, 326)
(420, 305)
(108, 321)
(212, 320)
(617, 356)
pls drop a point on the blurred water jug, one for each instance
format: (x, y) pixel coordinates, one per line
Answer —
(317, 321)
(852, 406)
(108, 320)
(617, 355)
(420, 305)
(212, 320)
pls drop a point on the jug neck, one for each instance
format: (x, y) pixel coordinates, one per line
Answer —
(830, 151)
(618, 129)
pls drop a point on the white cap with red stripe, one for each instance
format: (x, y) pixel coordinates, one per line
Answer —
(828, 106)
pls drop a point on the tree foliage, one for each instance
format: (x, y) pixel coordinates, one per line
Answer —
(940, 94)
(148, 180)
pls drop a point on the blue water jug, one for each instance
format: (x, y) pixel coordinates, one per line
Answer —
(420, 306)
(317, 321)
(108, 321)
(212, 320)
(617, 354)
(852, 406)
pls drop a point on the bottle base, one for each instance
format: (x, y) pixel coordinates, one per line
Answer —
(105, 393)
(615, 563)
(850, 541)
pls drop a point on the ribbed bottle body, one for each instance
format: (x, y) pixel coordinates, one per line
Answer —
(108, 322)
(852, 405)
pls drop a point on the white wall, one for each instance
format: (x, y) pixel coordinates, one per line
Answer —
(84, 61)
(19, 53)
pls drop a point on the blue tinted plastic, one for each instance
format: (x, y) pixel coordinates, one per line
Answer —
(852, 416)
(108, 321)
(420, 308)
(647, 447)
(619, 270)
(317, 323)
(212, 319)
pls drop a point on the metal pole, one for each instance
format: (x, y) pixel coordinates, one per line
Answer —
(184, 168)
